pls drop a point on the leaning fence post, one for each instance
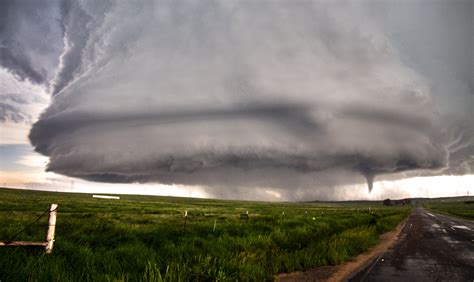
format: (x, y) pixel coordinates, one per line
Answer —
(51, 228)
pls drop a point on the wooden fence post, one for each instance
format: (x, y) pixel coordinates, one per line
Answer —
(51, 228)
(185, 217)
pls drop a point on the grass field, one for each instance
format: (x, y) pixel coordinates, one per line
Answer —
(143, 238)
(464, 209)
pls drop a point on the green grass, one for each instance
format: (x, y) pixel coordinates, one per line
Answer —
(143, 238)
(464, 209)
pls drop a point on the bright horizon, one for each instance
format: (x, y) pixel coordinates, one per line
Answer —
(36, 179)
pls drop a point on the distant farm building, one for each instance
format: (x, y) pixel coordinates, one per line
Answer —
(402, 202)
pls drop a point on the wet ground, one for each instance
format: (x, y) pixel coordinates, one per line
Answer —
(431, 247)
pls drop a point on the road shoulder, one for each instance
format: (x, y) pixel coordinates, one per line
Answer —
(349, 269)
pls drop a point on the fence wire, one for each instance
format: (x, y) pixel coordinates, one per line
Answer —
(14, 236)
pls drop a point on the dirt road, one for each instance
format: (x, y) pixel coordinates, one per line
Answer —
(431, 247)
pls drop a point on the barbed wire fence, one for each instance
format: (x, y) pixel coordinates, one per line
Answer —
(49, 241)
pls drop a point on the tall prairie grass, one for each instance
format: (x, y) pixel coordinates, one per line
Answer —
(141, 238)
(464, 209)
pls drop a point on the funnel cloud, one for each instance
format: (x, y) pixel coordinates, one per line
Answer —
(236, 95)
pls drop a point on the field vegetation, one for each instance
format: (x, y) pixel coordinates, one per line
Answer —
(464, 209)
(144, 238)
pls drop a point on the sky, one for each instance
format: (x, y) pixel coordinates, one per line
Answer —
(259, 100)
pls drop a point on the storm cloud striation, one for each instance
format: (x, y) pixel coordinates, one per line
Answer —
(232, 95)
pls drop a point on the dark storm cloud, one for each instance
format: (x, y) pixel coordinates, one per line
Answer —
(13, 107)
(12, 113)
(14, 58)
(30, 38)
(234, 95)
(31, 42)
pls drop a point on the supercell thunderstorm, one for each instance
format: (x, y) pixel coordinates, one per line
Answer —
(240, 94)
